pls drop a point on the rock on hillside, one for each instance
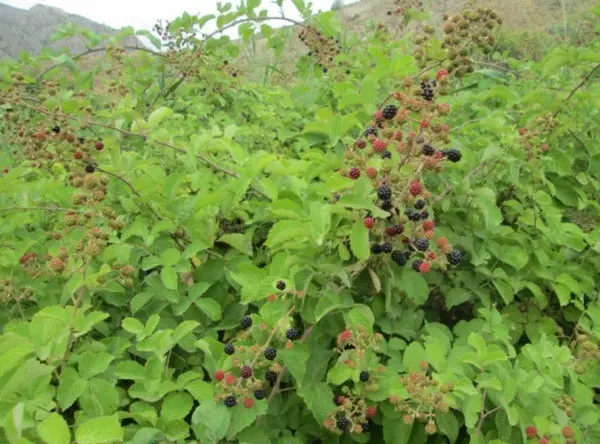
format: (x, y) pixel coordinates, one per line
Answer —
(30, 30)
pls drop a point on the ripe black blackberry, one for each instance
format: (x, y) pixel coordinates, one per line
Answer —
(428, 149)
(386, 247)
(420, 204)
(454, 257)
(386, 155)
(416, 265)
(56, 129)
(270, 376)
(229, 349)
(453, 155)
(280, 285)
(342, 423)
(424, 215)
(366, 427)
(246, 322)
(349, 347)
(421, 244)
(230, 401)
(292, 333)
(376, 249)
(90, 168)
(259, 394)
(246, 371)
(386, 205)
(389, 112)
(413, 215)
(400, 257)
(364, 376)
(370, 131)
(337, 400)
(270, 353)
(384, 192)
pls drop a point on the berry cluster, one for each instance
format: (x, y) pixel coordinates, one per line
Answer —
(426, 397)
(465, 32)
(409, 229)
(533, 137)
(352, 414)
(283, 292)
(567, 433)
(324, 49)
(353, 346)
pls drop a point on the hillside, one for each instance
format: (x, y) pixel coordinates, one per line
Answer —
(30, 30)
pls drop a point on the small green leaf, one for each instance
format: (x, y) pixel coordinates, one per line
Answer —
(295, 358)
(54, 430)
(413, 356)
(176, 406)
(103, 430)
(168, 276)
(210, 308)
(359, 240)
(93, 363)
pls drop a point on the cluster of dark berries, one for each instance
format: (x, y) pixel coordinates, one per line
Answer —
(427, 90)
(324, 49)
(352, 414)
(453, 155)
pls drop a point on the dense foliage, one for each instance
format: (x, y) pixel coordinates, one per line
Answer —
(400, 245)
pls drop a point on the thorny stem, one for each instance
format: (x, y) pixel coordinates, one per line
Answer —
(574, 90)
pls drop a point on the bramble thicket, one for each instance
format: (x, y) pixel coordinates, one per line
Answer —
(394, 239)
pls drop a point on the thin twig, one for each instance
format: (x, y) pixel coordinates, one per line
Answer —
(468, 176)
(91, 51)
(470, 122)
(574, 90)
(275, 389)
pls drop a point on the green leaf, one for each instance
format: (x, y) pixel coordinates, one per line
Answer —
(93, 363)
(339, 373)
(238, 241)
(130, 370)
(168, 276)
(106, 429)
(245, 417)
(183, 330)
(486, 201)
(359, 241)
(70, 388)
(176, 406)
(318, 397)
(200, 390)
(396, 431)
(215, 417)
(295, 358)
(158, 116)
(360, 315)
(413, 356)
(414, 285)
(170, 257)
(448, 425)
(210, 308)
(54, 430)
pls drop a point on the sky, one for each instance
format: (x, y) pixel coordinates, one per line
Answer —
(143, 14)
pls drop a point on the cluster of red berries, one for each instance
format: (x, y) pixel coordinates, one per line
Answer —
(533, 138)
(352, 414)
(383, 150)
(324, 49)
(426, 398)
(567, 433)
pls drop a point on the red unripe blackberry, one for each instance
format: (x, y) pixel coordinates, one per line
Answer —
(567, 432)
(248, 403)
(361, 144)
(371, 411)
(78, 155)
(99, 146)
(428, 225)
(371, 173)
(379, 145)
(442, 73)
(219, 375)
(230, 379)
(522, 131)
(369, 222)
(230, 401)
(424, 267)
(531, 431)
(392, 231)
(246, 371)
(339, 400)
(416, 265)
(425, 123)
(354, 173)
(415, 188)
(544, 441)
(378, 115)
